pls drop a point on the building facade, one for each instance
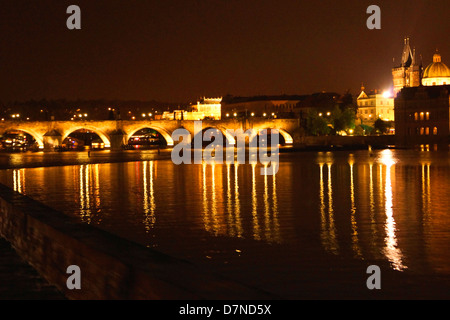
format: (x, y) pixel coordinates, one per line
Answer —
(375, 105)
(423, 116)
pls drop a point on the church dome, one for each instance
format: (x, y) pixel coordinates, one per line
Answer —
(437, 69)
(437, 73)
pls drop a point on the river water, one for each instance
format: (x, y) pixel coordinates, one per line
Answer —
(310, 231)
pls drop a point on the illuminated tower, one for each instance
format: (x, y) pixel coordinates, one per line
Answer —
(409, 73)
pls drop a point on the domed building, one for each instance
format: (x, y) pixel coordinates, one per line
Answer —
(437, 73)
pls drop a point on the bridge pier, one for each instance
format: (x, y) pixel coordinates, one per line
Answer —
(51, 140)
(118, 139)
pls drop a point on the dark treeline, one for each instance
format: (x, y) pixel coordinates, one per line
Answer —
(62, 109)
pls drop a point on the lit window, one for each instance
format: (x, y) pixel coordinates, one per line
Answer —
(428, 116)
(427, 131)
(435, 131)
(416, 116)
(422, 131)
(421, 116)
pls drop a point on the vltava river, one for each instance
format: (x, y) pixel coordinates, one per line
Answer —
(310, 231)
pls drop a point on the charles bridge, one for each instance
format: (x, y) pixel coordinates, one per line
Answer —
(116, 133)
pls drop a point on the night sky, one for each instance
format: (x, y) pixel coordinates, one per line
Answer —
(179, 50)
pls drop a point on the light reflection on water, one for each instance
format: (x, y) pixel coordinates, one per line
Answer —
(384, 206)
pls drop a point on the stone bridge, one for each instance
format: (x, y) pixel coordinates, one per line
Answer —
(116, 133)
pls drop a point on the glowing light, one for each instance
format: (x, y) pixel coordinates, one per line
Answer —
(387, 94)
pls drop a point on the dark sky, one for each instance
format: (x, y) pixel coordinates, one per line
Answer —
(178, 50)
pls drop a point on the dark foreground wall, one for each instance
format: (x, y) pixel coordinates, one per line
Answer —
(111, 267)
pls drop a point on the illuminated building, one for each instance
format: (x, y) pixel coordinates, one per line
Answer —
(374, 105)
(210, 107)
(422, 116)
(408, 73)
(437, 73)
(206, 108)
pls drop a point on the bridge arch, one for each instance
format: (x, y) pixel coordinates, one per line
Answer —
(106, 140)
(228, 137)
(286, 136)
(166, 135)
(39, 138)
(288, 139)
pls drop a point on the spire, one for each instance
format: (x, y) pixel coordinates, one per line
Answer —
(407, 56)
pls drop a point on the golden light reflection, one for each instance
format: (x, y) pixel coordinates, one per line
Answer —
(235, 223)
(373, 224)
(210, 218)
(328, 228)
(19, 180)
(89, 190)
(426, 191)
(85, 208)
(355, 241)
(256, 228)
(391, 250)
(149, 195)
(215, 222)
(97, 187)
(271, 224)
